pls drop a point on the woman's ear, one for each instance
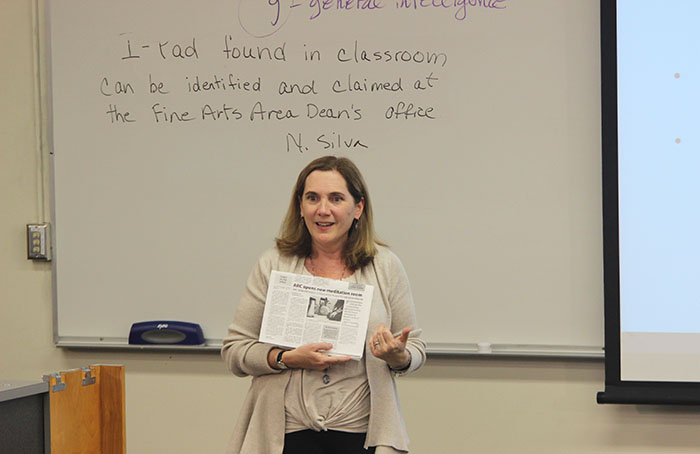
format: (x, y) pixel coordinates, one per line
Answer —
(359, 208)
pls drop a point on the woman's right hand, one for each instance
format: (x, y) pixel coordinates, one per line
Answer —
(312, 356)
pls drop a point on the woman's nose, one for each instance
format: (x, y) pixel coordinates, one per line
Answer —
(323, 207)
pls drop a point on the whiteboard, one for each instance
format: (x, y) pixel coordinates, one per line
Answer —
(178, 129)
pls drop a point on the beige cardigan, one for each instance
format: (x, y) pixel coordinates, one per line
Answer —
(260, 427)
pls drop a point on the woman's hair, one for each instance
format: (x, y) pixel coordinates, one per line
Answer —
(361, 246)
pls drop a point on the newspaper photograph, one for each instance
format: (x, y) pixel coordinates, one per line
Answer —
(302, 309)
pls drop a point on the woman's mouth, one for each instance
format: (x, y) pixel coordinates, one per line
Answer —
(325, 224)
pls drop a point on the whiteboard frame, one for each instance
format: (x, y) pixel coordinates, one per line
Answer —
(433, 349)
(438, 349)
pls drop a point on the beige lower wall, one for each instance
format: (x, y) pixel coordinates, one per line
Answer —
(184, 403)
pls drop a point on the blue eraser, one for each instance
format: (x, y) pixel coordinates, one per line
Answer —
(166, 332)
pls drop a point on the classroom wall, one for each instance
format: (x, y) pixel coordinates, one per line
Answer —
(187, 403)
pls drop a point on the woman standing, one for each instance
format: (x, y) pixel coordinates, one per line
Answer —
(303, 400)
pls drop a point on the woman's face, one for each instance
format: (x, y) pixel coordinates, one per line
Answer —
(328, 209)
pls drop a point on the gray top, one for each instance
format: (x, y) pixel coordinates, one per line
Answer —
(334, 399)
(16, 389)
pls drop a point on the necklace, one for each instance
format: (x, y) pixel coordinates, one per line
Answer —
(313, 269)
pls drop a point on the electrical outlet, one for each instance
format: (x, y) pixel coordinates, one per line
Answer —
(38, 247)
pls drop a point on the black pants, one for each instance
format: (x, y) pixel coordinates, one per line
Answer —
(329, 442)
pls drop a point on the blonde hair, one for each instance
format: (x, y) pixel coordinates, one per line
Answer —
(361, 246)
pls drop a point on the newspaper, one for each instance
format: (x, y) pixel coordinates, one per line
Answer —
(302, 309)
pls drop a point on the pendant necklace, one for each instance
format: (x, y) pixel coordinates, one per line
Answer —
(326, 378)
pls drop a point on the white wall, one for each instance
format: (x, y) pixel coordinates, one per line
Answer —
(451, 405)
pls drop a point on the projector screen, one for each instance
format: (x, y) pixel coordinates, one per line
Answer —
(651, 158)
(659, 189)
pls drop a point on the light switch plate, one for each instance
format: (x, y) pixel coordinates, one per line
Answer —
(38, 245)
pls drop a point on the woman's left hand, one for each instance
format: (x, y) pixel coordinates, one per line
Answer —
(391, 349)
